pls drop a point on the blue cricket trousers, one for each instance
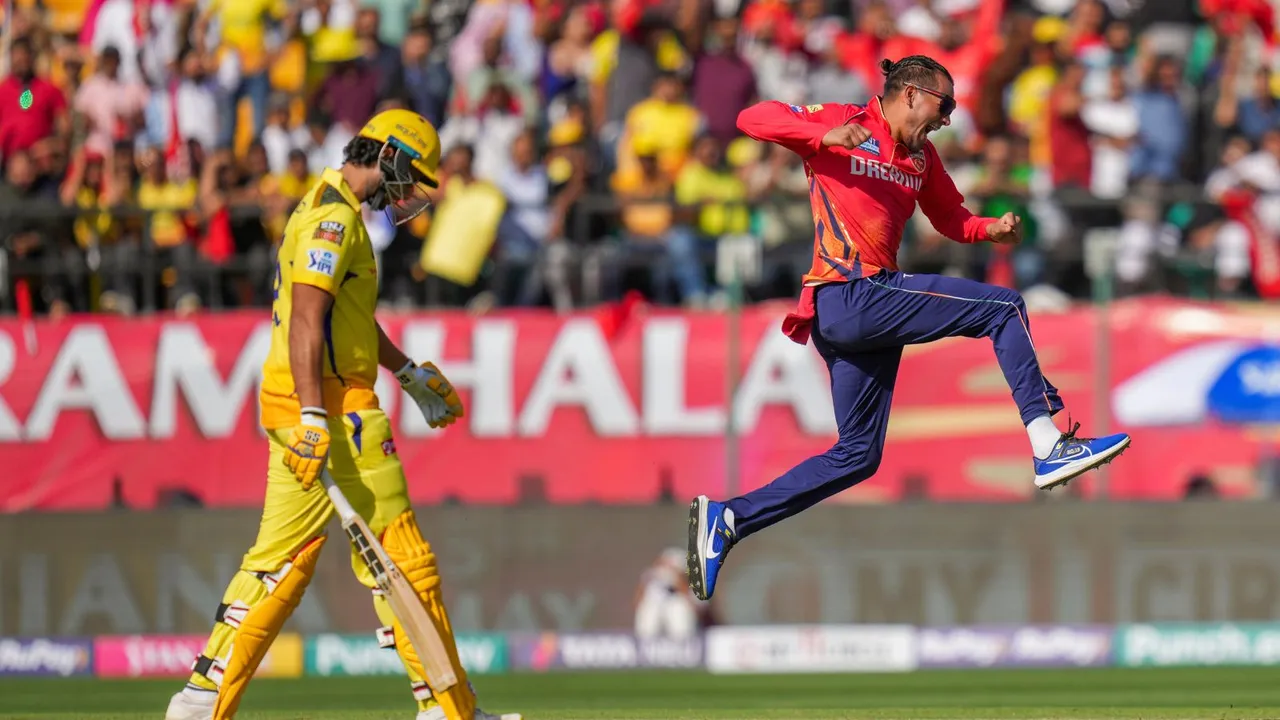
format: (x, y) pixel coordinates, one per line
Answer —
(860, 330)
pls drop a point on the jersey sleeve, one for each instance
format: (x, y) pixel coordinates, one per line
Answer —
(799, 128)
(943, 204)
(323, 249)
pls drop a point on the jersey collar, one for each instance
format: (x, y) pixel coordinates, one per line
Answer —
(875, 111)
(334, 178)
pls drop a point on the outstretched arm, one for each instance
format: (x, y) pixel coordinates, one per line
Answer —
(799, 129)
(943, 204)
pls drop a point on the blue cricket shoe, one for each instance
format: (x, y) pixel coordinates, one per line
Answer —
(711, 535)
(1073, 456)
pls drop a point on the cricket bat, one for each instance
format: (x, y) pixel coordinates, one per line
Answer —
(400, 595)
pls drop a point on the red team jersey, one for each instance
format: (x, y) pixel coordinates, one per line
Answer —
(861, 198)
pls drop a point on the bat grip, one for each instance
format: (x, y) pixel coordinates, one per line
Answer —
(340, 503)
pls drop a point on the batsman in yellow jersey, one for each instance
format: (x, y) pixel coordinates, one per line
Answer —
(319, 408)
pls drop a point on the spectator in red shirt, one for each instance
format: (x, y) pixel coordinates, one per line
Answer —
(723, 82)
(1068, 135)
(26, 119)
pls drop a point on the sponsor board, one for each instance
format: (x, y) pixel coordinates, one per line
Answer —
(173, 655)
(811, 648)
(360, 655)
(110, 392)
(53, 657)
(1194, 644)
(602, 651)
(1026, 646)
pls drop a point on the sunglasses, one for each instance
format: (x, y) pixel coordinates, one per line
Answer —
(946, 103)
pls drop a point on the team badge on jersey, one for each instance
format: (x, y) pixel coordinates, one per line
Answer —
(388, 448)
(323, 262)
(870, 145)
(330, 231)
(813, 108)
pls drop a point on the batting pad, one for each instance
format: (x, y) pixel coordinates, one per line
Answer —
(254, 616)
(406, 547)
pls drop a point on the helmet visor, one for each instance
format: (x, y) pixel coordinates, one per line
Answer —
(407, 201)
(408, 192)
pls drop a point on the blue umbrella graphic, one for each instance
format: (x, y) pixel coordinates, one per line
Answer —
(1247, 391)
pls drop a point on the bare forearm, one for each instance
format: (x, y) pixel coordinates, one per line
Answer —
(390, 356)
(306, 346)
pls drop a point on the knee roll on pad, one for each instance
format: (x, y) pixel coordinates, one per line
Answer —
(257, 626)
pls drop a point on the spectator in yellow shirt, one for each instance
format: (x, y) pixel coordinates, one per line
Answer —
(282, 191)
(665, 121)
(244, 25)
(649, 228)
(714, 198)
(171, 204)
(625, 61)
(719, 195)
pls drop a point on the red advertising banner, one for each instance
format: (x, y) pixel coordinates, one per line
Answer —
(576, 409)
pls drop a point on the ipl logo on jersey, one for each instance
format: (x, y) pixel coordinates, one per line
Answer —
(321, 261)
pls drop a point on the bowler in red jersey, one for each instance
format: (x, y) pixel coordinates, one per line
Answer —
(868, 168)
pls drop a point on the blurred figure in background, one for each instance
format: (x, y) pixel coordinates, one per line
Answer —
(1163, 124)
(111, 106)
(723, 82)
(715, 216)
(1003, 186)
(649, 231)
(665, 607)
(247, 46)
(45, 115)
(530, 254)
(37, 248)
(1113, 120)
(424, 81)
(490, 130)
(665, 122)
(171, 229)
(382, 59)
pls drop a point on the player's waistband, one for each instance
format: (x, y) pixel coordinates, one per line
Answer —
(282, 411)
(823, 272)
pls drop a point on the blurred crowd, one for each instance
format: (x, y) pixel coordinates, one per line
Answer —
(152, 150)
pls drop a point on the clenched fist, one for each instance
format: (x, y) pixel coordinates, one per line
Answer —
(846, 136)
(1005, 231)
(308, 449)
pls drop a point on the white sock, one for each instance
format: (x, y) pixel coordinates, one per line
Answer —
(1044, 435)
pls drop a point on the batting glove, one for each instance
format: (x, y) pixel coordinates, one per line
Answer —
(433, 393)
(308, 449)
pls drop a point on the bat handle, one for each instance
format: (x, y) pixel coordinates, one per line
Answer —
(340, 503)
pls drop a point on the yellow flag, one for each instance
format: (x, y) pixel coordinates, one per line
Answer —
(463, 230)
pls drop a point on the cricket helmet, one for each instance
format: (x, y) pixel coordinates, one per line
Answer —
(409, 160)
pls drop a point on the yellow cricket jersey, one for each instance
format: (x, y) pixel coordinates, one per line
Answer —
(326, 245)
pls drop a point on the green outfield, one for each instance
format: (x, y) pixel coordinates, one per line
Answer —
(1210, 694)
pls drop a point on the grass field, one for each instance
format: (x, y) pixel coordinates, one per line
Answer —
(1208, 694)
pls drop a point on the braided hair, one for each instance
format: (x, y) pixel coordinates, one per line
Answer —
(911, 70)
